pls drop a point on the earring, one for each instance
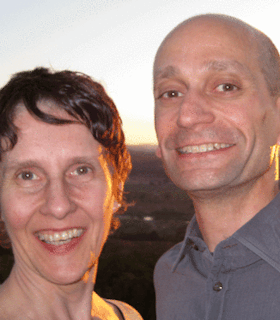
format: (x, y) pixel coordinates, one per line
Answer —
(116, 207)
(274, 156)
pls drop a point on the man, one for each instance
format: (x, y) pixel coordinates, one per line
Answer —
(217, 115)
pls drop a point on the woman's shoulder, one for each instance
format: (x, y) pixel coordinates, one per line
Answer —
(128, 312)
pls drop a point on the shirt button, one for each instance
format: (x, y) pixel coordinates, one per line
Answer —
(195, 247)
(218, 286)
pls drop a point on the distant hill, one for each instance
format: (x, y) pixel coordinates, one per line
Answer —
(146, 166)
(161, 210)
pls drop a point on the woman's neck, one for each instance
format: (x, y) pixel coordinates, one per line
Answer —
(34, 297)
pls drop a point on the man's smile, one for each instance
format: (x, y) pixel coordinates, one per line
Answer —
(203, 148)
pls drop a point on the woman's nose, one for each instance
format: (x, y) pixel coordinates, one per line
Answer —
(57, 202)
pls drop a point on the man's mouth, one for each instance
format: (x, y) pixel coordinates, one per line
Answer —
(203, 148)
(59, 238)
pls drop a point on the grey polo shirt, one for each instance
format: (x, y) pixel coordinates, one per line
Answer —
(239, 281)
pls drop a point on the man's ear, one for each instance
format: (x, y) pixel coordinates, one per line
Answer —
(278, 109)
(2, 218)
(158, 152)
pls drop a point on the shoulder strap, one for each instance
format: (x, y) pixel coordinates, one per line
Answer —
(128, 312)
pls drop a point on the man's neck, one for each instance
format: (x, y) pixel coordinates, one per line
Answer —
(221, 214)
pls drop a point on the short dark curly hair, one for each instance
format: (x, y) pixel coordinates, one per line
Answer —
(83, 99)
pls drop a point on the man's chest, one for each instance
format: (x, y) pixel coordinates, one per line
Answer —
(222, 290)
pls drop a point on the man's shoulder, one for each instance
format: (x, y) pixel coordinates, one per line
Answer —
(167, 260)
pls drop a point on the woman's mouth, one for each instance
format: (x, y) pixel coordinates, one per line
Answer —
(59, 238)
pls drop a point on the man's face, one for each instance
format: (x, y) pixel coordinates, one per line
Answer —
(214, 117)
(55, 199)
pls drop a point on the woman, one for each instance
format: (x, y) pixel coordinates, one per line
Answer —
(63, 167)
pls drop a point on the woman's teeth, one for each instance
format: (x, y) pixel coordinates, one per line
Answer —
(204, 148)
(60, 238)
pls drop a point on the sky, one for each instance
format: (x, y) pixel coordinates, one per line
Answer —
(113, 41)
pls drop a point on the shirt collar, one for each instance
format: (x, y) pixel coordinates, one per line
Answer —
(193, 232)
(261, 235)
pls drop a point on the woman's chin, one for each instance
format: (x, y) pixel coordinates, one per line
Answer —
(66, 268)
(67, 276)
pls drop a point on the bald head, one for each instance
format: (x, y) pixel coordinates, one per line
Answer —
(261, 47)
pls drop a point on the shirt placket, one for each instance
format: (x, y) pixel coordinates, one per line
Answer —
(216, 287)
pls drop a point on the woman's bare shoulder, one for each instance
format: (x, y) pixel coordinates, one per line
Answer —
(3, 304)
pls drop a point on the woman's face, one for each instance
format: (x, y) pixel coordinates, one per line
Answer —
(56, 199)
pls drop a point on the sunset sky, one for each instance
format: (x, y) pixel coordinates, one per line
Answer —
(114, 41)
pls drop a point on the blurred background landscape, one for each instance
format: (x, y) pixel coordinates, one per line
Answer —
(157, 221)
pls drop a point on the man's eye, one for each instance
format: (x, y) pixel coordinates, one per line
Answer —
(226, 87)
(171, 94)
(28, 175)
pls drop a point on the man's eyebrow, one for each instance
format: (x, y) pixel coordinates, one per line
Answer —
(166, 73)
(223, 65)
(215, 65)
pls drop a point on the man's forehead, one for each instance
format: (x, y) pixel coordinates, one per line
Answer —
(204, 32)
(220, 65)
(211, 24)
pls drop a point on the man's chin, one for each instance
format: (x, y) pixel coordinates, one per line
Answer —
(206, 183)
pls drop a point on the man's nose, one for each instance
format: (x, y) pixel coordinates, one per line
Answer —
(57, 202)
(195, 110)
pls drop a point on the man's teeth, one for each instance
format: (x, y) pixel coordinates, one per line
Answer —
(59, 238)
(204, 147)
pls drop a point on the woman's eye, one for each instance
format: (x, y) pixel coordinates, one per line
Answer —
(226, 87)
(28, 176)
(81, 171)
(171, 94)
(80, 174)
